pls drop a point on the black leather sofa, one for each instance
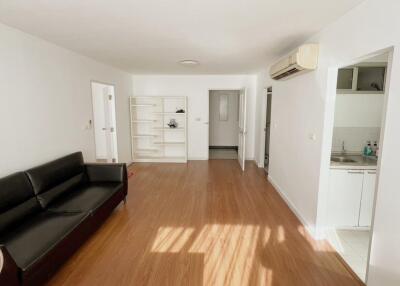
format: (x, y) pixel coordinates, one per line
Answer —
(47, 212)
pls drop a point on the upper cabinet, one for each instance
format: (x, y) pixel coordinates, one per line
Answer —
(345, 79)
(363, 78)
(371, 79)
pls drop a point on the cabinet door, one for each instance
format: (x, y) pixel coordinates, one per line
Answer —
(345, 79)
(371, 78)
(367, 198)
(344, 197)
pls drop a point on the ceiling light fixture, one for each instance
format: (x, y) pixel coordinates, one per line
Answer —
(189, 62)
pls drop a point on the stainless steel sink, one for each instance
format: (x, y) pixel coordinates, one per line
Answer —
(342, 159)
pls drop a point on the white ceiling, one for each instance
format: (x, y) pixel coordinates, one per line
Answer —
(151, 36)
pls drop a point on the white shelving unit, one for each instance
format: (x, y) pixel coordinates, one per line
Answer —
(152, 139)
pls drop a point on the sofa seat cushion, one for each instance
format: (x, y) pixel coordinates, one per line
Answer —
(86, 198)
(38, 235)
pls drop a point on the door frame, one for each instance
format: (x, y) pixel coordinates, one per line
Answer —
(322, 211)
(114, 138)
(208, 114)
(264, 106)
(242, 129)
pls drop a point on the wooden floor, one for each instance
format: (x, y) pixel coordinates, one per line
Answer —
(203, 223)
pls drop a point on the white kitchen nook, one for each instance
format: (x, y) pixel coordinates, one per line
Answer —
(356, 138)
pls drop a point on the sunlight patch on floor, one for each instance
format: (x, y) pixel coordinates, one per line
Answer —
(229, 253)
(266, 236)
(264, 276)
(281, 234)
(171, 239)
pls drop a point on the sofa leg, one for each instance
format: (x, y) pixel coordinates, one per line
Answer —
(124, 200)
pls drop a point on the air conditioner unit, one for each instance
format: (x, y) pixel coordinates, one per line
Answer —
(303, 59)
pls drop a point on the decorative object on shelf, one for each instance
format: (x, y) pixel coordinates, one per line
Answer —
(172, 123)
(376, 86)
(180, 111)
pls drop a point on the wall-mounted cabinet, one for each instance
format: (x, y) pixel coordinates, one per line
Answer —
(364, 78)
(345, 79)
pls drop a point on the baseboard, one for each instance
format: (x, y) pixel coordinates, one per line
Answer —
(310, 229)
(223, 147)
(197, 158)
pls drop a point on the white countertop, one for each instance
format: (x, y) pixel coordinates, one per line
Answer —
(362, 163)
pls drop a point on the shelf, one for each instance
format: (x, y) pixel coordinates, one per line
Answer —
(169, 143)
(157, 142)
(143, 105)
(144, 121)
(161, 159)
(158, 97)
(145, 150)
(144, 135)
(169, 113)
(169, 129)
(350, 91)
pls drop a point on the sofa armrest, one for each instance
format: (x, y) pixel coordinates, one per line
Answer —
(8, 268)
(98, 172)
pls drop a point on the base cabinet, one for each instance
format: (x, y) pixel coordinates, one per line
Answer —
(367, 198)
(350, 198)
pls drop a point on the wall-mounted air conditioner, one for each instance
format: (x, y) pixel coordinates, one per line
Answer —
(303, 59)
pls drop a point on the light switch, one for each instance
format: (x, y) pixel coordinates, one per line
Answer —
(312, 136)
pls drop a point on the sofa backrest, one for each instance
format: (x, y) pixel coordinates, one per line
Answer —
(17, 200)
(56, 178)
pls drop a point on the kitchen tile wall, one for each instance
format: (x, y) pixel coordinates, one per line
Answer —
(355, 138)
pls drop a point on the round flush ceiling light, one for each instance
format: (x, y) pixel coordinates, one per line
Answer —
(189, 62)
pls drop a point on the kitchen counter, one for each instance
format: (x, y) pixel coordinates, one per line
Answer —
(361, 162)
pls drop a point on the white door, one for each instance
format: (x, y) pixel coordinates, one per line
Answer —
(103, 98)
(108, 128)
(367, 199)
(242, 129)
(344, 197)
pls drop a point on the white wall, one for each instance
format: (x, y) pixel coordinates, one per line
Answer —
(196, 88)
(224, 132)
(358, 118)
(358, 110)
(46, 102)
(304, 105)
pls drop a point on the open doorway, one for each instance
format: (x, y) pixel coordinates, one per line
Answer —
(355, 150)
(103, 100)
(267, 128)
(223, 124)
